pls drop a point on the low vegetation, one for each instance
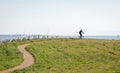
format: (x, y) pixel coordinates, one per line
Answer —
(74, 56)
(9, 56)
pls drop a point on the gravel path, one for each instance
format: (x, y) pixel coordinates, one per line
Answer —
(28, 60)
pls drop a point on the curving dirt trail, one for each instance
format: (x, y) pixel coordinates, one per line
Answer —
(28, 60)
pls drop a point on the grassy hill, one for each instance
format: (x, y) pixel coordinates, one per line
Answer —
(9, 56)
(74, 56)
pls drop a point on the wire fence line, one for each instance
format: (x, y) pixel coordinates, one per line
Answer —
(30, 37)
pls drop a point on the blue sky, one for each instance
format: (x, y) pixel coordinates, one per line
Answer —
(60, 17)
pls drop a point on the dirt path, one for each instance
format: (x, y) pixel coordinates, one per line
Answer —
(28, 59)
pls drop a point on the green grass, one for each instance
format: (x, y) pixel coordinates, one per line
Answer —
(74, 56)
(9, 56)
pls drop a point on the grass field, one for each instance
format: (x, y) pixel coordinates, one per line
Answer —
(9, 56)
(74, 56)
